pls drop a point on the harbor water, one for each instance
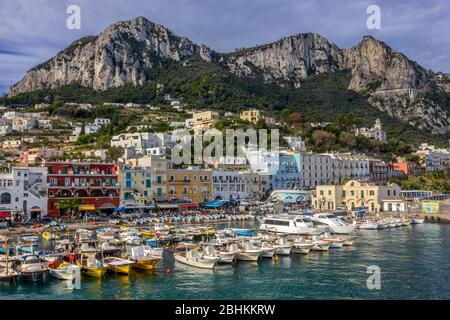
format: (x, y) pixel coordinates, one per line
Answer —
(414, 264)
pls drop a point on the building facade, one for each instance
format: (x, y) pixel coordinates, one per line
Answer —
(354, 194)
(82, 186)
(23, 191)
(189, 185)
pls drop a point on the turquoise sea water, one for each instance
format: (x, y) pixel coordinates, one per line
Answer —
(414, 263)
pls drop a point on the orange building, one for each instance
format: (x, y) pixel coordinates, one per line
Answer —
(405, 167)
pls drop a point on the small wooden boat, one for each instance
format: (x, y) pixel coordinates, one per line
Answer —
(118, 265)
(224, 257)
(64, 271)
(194, 259)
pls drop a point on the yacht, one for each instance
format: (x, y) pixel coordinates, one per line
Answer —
(290, 224)
(330, 221)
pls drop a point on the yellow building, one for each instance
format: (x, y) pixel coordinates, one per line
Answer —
(204, 120)
(253, 115)
(192, 184)
(354, 194)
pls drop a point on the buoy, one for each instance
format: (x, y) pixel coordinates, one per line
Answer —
(168, 270)
(276, 258)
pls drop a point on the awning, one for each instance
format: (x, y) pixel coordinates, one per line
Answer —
(5, 215)
(167, 205)
(188, 205)
(107, 206)
(86, 207)
(215, 204)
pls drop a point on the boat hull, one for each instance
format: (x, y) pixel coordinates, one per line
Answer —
(301, 249)
(343, 229)
(197, 263)
(95, 272)
(34, 276)
(145, 265)
(248, 256)
(121, 269)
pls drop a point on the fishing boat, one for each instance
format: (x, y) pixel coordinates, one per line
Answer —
(300, 246)
(417, 221)
(282, 247)
(319, 244)
(194, 259)
(332, 222)
(243, 232)
(118, 265)
(65, 271)
(368, 226)
(141, 261)
(268, 251)
(335, 243)
(224, 256)
(7, 274)
(405, 222)
(248, 252)
(33, 269)
(91, 266)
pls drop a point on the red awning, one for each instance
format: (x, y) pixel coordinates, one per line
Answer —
(5, 215)
(188, 205)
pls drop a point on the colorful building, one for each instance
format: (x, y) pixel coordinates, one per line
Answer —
(190, 185)
(253, 115)
(82, 186)
(406, 167)
(355, 194)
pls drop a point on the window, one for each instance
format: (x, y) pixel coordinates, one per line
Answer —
(5, 198)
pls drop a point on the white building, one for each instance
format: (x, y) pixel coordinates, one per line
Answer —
(143, 143)
(228, 185)
(23, 190)
(102, 122)
(376, 132)
(5, 129)
(45, 124)
(296, 143)
(435, 159)
(23, 124)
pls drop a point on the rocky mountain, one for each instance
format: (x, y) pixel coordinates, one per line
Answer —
(126, 52)
(131, 52)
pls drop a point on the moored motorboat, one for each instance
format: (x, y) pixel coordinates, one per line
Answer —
(268, 251)
(33, 269)
(118, 265)
(368, 226)
(194, 259)
(282, 247)
(301, 247)
(65, 271)
(417, 221)
(248, 252)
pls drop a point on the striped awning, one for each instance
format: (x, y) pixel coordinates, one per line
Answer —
(86, 207)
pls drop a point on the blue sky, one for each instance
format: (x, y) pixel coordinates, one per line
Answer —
(33, 31)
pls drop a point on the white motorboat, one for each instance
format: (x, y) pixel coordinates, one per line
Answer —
(268, 251)
(319, 244)
(65, 271)
(224, 256)
(335, 224)
(335, 243)
(282, 247)
(301, 246)
(289, 224)
(194, 259)
(417, 221)
(247, 253)
(368, 225)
